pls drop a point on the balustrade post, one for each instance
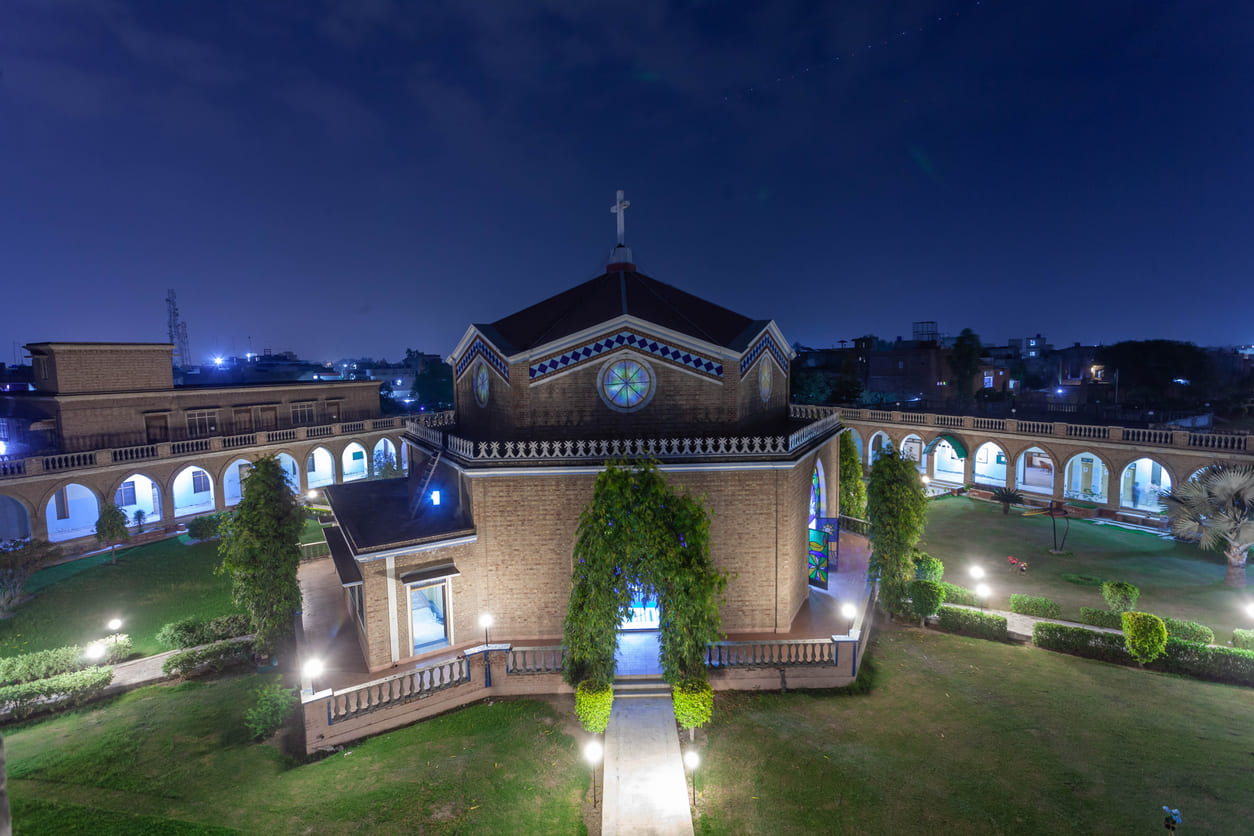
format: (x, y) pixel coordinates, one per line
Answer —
(895, 417)
(1012, 425)
(968, 422)
(215, 443)
(1180, 438)
(1060, 429)
(302, 433)
(1116, 433)
(165, 450)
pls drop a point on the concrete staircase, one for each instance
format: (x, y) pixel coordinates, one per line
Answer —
(638, 686)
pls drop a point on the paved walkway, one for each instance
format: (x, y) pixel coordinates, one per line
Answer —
(646, 791)
(1020, 626)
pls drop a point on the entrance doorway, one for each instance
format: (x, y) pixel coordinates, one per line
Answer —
(644, 613)
(637, 652)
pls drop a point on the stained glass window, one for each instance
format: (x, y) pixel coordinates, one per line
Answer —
(626, 384)
(482, 384)
(816, 495)
(764, 379)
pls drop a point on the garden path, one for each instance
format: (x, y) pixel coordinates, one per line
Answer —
(645, 791)
(1020, 626)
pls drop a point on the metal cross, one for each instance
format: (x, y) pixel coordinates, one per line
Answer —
(620, 208)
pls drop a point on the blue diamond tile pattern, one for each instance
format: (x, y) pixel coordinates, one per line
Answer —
(479, 348)
(764, 344)
(628, 339)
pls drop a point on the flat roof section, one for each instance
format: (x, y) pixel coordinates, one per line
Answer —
(382, 514)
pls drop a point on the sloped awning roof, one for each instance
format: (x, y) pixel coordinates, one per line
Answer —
(959, 447)
(434, 572)
(345, 566)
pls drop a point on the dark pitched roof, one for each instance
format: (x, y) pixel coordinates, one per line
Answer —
(611, 295)
(380, 514)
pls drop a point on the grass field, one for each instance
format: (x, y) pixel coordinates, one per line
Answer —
(1176, 579)
(150, 586)
(178, 760)
(968, 736)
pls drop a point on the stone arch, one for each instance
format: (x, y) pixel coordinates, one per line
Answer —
(383, 453)
(1141, 481)
(192, 493)
(989, 465)
(912, 448)
(353, 462)
(1198, 472)
(231, 478)
(15, 518)
(1034, 470)
(880, 440)
(857, 443)
(1086, 477)
(948, 458)
(138, 492)
(290, 465)
(319, 468)
(71, 511)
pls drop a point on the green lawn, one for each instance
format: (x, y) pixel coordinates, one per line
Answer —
(1176, 579)
(177, 760)
(312, 532)
(150, 586)
(968, 736)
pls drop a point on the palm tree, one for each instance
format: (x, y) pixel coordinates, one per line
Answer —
(1007, 497)
(1216, 508)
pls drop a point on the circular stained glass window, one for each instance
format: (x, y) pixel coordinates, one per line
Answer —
(626, 384)
(482, 385)
(765, 378)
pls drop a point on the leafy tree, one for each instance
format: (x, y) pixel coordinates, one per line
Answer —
(259, 549)
(1007, 497)
(385, 466)
(852, 484)
(1217, 509)
(1148, 371)
(811, 386)
(140, 515)
(964, 363)
(897, 511)
(111, 528)
(1120, 596)
(19, 561)
(433, 385)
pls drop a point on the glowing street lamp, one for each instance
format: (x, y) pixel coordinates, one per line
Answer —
(1249, 609)
(592, 753)
(114, 624)
(313, 669)
(691, 759)
(311, 495)
(849, 611)
(977, 572)
(95, 651)
(982, 592)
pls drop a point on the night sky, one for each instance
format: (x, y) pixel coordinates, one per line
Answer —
(354, 177)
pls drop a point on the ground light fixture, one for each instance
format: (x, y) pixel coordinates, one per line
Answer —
(691, 759)
(114, 624)
(95, 651)
(592, 754)
(977, 572)
(311, 495)
(313, 669)
(1249, 609)
(849, 611)
(982, 591)
(485, 621)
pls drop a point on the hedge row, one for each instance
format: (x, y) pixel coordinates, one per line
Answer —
(1243, 639)
(64, 690)
(213, 658)
(973, 622)
(694, 704)
(1101, 618)
(193, 632)
(1201, 661)
(42, 664)
(593, 703)
(960, 595)
(1189, 631)
(1033, 605)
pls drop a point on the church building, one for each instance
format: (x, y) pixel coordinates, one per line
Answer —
(620, 367)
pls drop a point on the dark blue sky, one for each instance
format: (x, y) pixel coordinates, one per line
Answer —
(352, 177)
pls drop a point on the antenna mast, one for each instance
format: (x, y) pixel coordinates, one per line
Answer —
(177, 330)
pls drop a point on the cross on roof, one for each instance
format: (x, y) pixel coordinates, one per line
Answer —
(620, 208)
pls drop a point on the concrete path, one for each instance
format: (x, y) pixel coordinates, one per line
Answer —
(645, 791)
(1020, 626)
(138, 672)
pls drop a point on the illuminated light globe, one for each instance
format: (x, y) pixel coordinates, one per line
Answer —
(592, 752)
(115, 624)
(95, 651)
(313, 668)
(848, 610)
(982, 590)
(977, 572)
(626, 385)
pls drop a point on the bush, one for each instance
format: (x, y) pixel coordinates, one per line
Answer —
(593, 701)
(973, 623)
(694, 703)
(1033, 605)
(1243, 639)
(1091, 644)
(1145, 636)
(117, 647)
(1207, 661)
(1189, 631)
(207, 527)
(212, 658)
(960, 595)
(1101, 618)
(926, 597)
(192, 632)
(42, 664)
(1120, 597)
(274, 704)
(64, 690)
(928, 568)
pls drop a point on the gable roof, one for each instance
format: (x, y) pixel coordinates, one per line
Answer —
(616, 294)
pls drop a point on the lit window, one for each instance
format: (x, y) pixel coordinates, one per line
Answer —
(200, 481)
(626, 385)
(125, 495)
(202, 422)
(302, 413)
(483, 385)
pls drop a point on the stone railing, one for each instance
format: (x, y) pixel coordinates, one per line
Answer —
(397, 689)
(853, 525)
(1141, 437)
(536, 660)
(13, 467)
(771, 653)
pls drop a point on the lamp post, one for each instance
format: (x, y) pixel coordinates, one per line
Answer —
(592, 753)
(485, 621)
(849, 611)
(691, 759)
(313, 669)
(114, 624)
(982, 591)
(977, 572)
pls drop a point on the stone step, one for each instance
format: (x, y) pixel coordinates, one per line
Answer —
(627, 687)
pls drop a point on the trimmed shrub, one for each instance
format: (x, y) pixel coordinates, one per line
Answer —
(117, 647)
(1145, 636)
(64, 690)
(1101, 618)
(274, 704)
(694, 703)
(1207, 661)
(1188, 631)
(960, 595)
(973, 623)
(42, 664)
(1120, 597)
(208, 527)
(926, 597)
(1108, 647)
(1243, 639)
(1033, 605)
(213, 658)
(928, 568)
(192, 632)
(593, 702)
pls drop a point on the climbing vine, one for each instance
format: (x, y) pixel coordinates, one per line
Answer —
(638, 533)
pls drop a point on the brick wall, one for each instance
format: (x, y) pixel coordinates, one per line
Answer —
(104, 367)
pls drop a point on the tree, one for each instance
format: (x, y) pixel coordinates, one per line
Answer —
(852, 485)
(1007, 497)
(1159, 372)
(111, 528)
(897, 511)
(385, 466)
(1216, 509)
(433, 386)
(811, 386)
(19, 561)
(140, 516)
(259, 549)
(964, 363)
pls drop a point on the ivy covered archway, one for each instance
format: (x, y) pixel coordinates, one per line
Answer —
(638, 533)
